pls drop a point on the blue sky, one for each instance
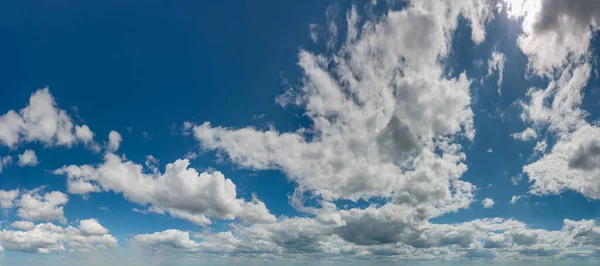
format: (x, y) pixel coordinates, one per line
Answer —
(295, 133)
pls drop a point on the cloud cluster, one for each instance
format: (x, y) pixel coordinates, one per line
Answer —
(42, 121)
(385, 116)
(555, 32)
(35, 206)
(497, 238)
(556, 38)
(180, 191)
(47, 237)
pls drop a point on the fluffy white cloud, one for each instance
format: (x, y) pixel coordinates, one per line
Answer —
(28, 158)
(47, 207)
(5, 161)
(506, 240)
(487, 203)
(173, 238)
(41, 120)
(555, 32)
(23, 225)
(7, 198)
(573, 164)
(47, 237)
(92, 227)
(114, 141)
(181, 192)
(385, 116)
(525, 135)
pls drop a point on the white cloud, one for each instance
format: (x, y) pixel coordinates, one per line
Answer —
(540, 147)
(381, 107)
(526, 135)
(42, 121)
(91, 227)
(573, 164)
(7, 198)
(23, 225)
(114, 141)
(514, 199)
(5, 161)
(181, 192)
(47, 237)
(48, 207)
(28, 158)
(489, 150)
(496, 64)
(313, 32)
(173, 238)
(505, 239)
(555, 32)
(487, 203)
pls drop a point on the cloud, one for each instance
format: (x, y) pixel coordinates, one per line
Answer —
(172, 237)
(7, 198)
(28, 158)
(555, 32)
(114, 141)
(47, 237)
(42, 121)
(23, 225)
(91, 227)
(573, 164)
(526, 135)
(47, 207)
(385, 117)
(181, 191)
(496, 64)
(487, 203)
(514, 199)
(5, 161)
(506, 239)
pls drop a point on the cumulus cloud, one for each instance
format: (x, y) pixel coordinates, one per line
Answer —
(293, 237)
(23, 225)
(7, 198)
(114, 141)
(41, 121)
(385, 117)
(172, 237)
(47, 207)
(555, 32)
(573, 164)
(525, 135)
(487, 203)
(47, 237)
(181, 191)
(28, 158)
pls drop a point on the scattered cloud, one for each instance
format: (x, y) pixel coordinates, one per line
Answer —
(496, 64)
(28, 158)
(41, 121)
(181, 191)
(47, 237)
(5, 161)
(487, 203)
(114, 141)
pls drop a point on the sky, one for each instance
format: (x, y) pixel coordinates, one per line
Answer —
(318, 132)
